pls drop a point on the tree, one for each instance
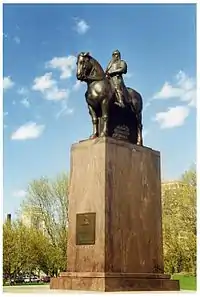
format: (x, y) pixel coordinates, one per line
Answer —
(18, 249)
(9, 249)
(189, 177)
(179, 225)
(27, 249)
(47, 200)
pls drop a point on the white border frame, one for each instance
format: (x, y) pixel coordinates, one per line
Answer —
(198, 119)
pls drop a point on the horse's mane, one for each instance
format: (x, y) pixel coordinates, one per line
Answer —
(96, 66)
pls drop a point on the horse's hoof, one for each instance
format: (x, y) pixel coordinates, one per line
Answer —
(139, 143)
(104, 134)
(93, 136)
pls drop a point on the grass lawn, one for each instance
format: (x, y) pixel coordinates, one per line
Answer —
(186, 282)
(24, 284)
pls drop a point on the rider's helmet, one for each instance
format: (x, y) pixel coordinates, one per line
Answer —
(117, 54)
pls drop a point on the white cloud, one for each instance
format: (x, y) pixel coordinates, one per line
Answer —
(19, 194)
(184, 81)
(48, 87)
(81, 26)
(17, 39)
(168, 91)
(77, 85)
(192, 99)
(173, 117)
(65, 64)
(65, 110)
(43, 82)
(25, 102)
(56, 94)
(184, 89)
(23, 91)
(7, 83)
(28, 131)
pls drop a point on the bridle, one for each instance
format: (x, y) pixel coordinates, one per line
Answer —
(91, 75)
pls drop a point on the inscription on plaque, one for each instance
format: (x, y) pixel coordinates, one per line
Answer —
(85, 228)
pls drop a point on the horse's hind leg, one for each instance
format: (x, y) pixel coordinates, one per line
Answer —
(94, 121)
(104, 108)
(139, 129)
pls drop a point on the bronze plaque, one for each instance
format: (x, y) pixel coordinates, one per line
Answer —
(85, 228)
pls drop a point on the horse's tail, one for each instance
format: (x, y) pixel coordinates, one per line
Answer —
(136, 101)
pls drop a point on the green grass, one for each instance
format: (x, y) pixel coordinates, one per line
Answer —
(187, 282)
(25, 284)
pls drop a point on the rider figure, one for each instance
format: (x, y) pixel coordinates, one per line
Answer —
(115, 69)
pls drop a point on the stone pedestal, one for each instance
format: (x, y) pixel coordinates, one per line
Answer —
(115, 223)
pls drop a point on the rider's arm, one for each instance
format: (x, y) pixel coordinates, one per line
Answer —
(122, 69)
(108, 67)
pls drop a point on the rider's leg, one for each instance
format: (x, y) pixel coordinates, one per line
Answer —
(119, 97)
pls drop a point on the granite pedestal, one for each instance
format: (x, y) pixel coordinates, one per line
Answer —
(115, 219)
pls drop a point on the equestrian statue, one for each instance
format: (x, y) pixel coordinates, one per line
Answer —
(107, 88)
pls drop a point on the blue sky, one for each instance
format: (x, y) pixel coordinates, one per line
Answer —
(44, 107)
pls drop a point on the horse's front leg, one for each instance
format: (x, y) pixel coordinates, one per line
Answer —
(94, 121)
(104, 108)
(93, 115)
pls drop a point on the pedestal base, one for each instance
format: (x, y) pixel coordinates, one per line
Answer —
(110, 282)
(115, 220)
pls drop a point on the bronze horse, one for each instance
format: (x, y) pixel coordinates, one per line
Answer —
(100, 94)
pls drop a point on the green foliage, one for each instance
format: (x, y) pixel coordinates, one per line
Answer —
(48, 200)
(179, 225)
(9, 249)
(189, 177)
(26, 249)
(21, 248)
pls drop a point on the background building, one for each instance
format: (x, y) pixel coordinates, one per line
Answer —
(173, 184)
(32, 218)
